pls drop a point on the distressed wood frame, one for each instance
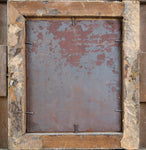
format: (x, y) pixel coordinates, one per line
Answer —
(18, 13)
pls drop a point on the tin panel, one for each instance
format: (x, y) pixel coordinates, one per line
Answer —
(73, 75)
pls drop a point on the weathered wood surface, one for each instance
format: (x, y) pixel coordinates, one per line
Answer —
(17, 91)
(71, 0)
(3, 100)
(143, 125)
(3, 123)
(88, 141)
(143, 27)
(39, 141)
(143, 77)
(75, 8)
(143, 53)
(3, 24)
(142, 0)
(3, 71)
(131, 50)
(3, 1)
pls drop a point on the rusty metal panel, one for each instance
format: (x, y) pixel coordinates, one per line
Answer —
(73, 75)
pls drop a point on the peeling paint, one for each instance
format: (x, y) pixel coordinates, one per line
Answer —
(131, 48)
(40, 12)
(12, 34)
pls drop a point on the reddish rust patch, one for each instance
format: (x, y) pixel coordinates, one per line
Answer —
(34, 48)
(109, 37)
(89, 130)
(40, 36)
(109, 25)
(40, 27)
(101, 57)
(110, 62)
(115, 72)
(114, 89)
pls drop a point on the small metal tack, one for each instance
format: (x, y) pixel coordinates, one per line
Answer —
(118, 110)
(28, 43)
(75, 128)
(31, 113)
(118, 41)
(73, 21)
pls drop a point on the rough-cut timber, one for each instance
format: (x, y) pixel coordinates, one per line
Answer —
(3, 92)
(143, 76)
(3, 123)
(42, 9)
(131, 47)
(143, 1)
(143, 53)
(143, 27)
(3, 1)
(143, 125)
(3, 24)
(71, 0)
(3, 71)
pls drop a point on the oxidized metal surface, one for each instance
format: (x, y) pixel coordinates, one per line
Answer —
(73, 75)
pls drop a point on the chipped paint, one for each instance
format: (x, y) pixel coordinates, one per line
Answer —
(131, 48)
(12, 34)
(40, 12)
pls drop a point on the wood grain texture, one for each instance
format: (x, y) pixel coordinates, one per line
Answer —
(143, 27)
(69, 8)
(73, 141)
(142, 1)
(131, 50)
(3, 71)
(143, 77)
(88, 141)
(143, 53)
(3, 24)
(3, 123)
(143, 125)
(3, 100)
(3, 1)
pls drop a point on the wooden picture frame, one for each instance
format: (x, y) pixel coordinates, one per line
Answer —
(18, 14)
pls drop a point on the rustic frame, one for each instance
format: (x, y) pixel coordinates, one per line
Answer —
(18, 13)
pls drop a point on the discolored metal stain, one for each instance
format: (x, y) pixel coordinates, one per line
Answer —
(73, 75)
